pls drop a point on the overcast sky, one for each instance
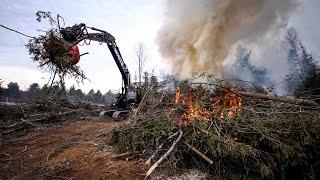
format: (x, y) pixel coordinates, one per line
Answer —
(127, 20)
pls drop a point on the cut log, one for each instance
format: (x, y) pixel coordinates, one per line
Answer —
(295, 101)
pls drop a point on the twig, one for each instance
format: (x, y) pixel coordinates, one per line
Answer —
(58, 150)
(16, 31)
(38, 114)
(155, 165)
(29, 122)
(118, 156)
(61, 177)
(8, 159)
(71, 111)
(13, 130)
(24, 150)
(6, 154)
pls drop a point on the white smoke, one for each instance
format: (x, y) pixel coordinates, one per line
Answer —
(198, 35)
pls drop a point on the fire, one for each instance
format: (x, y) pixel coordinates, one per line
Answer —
(194, 112)
(177, 96)
(233, 102)
(226, 104)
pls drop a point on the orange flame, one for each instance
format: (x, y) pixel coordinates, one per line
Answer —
(227, 104)
(234, 103)
(231, 103)
(177, 96)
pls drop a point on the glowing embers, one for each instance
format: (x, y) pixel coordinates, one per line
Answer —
(204, 105)
(231, 103)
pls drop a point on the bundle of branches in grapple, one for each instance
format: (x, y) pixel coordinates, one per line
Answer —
(53, 53)
(230, 133)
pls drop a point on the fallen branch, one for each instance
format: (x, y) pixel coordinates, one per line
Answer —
(199, 153)
(155, 165)
(38, 114)
(29, 122)
(24, 150)
(23, 123)
(13, 130)
(145, 95)
(7, 159)
(6, 154)
(160, 147)
(71, 111)
(119, 156)
(280, 98)
(58, 150)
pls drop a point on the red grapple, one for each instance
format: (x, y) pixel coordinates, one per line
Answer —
(75, 53)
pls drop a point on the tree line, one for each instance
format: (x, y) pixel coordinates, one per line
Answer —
(13, 93)
(35, 92)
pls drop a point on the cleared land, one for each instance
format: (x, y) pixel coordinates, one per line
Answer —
(69, 150)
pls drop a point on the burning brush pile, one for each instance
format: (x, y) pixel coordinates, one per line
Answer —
(224, 131)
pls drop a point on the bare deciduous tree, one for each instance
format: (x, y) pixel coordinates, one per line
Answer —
(141, 59)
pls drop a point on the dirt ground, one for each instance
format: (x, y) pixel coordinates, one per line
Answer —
(69, 150)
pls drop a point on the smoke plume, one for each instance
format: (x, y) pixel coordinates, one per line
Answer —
(198, 35)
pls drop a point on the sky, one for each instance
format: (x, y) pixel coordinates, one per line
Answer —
(130, 22)
(306, 20)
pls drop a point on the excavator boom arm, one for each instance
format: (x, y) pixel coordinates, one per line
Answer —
(107, 38)
(78, 33)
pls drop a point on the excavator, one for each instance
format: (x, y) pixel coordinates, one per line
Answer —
(77, 33)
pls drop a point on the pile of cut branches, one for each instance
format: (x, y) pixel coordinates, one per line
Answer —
(216, 128)
(16, 117)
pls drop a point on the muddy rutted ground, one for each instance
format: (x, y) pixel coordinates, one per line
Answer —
(70, 150)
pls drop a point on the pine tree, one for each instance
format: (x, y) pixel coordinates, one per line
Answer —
(244, 66)
(90, 95)
(98, 97)
(304, 73)
(80, 95)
